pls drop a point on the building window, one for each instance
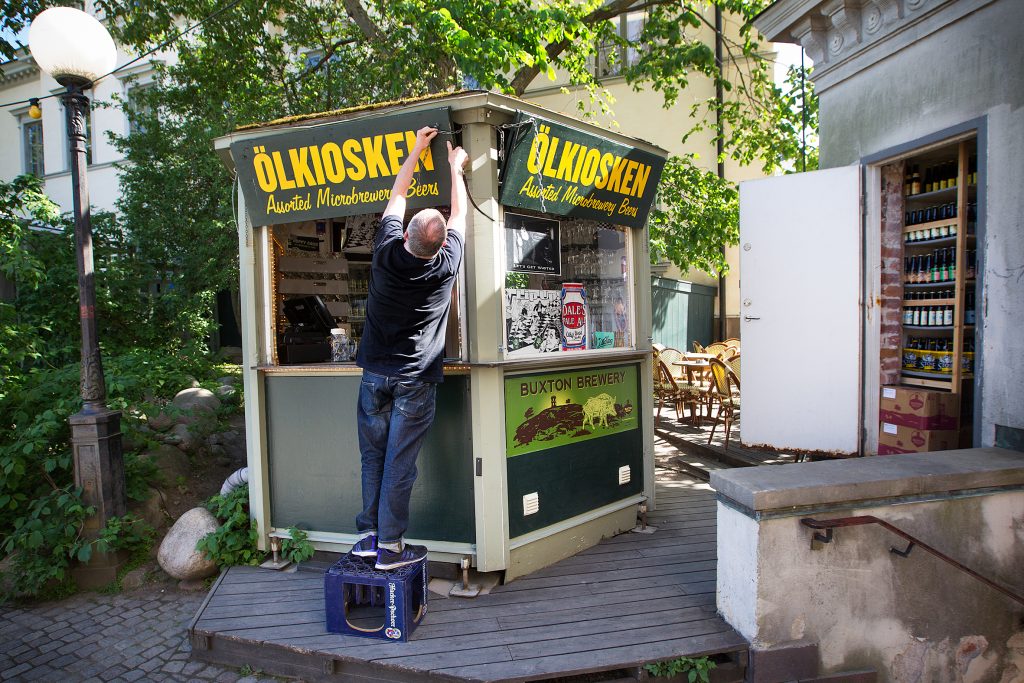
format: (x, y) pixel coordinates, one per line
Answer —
(32, 145)
(613, 57)
(139, 109)
(88, 137)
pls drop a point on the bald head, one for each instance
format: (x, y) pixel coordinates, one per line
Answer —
(426, 233)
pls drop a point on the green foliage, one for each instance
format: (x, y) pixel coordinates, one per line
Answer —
(151, 349)
(244, 67)
(695, 668)
(128, 533)
(14, 18)
(47, 538)
(296, 548)
(696, 214)
(44, 538)
(234, 542)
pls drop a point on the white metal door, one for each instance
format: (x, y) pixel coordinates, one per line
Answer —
(800, 272)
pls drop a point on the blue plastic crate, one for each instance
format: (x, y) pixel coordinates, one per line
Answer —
(371, 603)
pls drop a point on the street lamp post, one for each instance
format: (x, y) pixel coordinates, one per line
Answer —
(76, 49)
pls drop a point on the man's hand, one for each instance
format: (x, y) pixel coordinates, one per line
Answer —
(396, 204)
(457, 157)
(423, 137)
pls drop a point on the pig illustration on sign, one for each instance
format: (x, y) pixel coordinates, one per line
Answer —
(598, 408)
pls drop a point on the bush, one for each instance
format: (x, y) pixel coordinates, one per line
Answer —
(296, 548)
(234, 542)
(153, 344)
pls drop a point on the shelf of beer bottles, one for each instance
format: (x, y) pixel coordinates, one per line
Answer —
(925, 374)
(934, 328)
(937, 242)
(923, 285)
(944, 193)
(911, 303)
(932, 224)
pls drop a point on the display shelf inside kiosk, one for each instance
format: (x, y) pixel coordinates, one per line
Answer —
(940, 266)
(324, 265)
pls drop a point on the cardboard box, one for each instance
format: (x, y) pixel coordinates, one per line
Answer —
(901, 439)
(919, 408)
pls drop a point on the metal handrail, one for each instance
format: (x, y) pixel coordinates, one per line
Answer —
(829, 524)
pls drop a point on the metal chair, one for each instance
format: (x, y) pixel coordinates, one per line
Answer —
(666, 387)
(723, 381)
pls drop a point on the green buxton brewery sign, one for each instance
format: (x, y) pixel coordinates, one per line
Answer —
(559, 170)
(346, 168)
(554, 409)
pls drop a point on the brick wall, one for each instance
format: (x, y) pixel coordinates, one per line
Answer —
(891, 304)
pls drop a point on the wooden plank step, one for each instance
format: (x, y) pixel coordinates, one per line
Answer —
(620, 629)
(603, 659)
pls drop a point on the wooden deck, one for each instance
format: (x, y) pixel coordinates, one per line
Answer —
(692, 440)
(632, 599)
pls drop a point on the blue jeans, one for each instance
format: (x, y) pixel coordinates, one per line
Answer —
(394, 415)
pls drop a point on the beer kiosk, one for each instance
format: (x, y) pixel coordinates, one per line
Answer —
(542, 443)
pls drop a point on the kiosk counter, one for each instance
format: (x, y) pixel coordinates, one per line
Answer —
(542, 443)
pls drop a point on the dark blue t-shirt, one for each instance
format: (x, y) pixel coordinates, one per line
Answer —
(407, 309)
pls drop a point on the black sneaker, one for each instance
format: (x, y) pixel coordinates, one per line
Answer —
(366, 547)
(409, 554)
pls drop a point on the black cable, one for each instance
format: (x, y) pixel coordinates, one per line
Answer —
(482, 212)
(140, 57)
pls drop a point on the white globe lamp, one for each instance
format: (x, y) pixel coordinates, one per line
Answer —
(71, 46)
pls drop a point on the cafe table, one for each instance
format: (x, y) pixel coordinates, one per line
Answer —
(696, 366)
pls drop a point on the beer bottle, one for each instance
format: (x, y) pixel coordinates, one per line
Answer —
(915, 181)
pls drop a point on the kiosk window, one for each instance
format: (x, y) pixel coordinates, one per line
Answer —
(320, 274)
(567, 286)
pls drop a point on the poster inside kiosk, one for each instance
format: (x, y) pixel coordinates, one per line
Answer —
(343, 168)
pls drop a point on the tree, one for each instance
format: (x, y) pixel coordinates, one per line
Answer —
(14, 17)
(256, 61)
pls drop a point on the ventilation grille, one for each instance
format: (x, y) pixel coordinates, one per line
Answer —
(624, 475)
(531, 504)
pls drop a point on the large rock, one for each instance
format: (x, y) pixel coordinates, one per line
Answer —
(185, 436)
(196, 402)
(178, 555)
(228, 394)
(161, 421)
(151, 509)
(196, 398)
(170, 462)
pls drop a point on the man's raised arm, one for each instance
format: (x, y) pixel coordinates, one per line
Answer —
(396, 205)
(457, 158)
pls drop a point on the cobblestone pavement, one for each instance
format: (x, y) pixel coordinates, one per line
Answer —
(134, 636)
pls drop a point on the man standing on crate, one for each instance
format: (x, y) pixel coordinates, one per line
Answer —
(411, 278)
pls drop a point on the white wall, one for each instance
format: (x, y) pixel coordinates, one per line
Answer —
(910, 619)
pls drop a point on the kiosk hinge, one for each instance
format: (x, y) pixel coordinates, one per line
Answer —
(479, 467)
